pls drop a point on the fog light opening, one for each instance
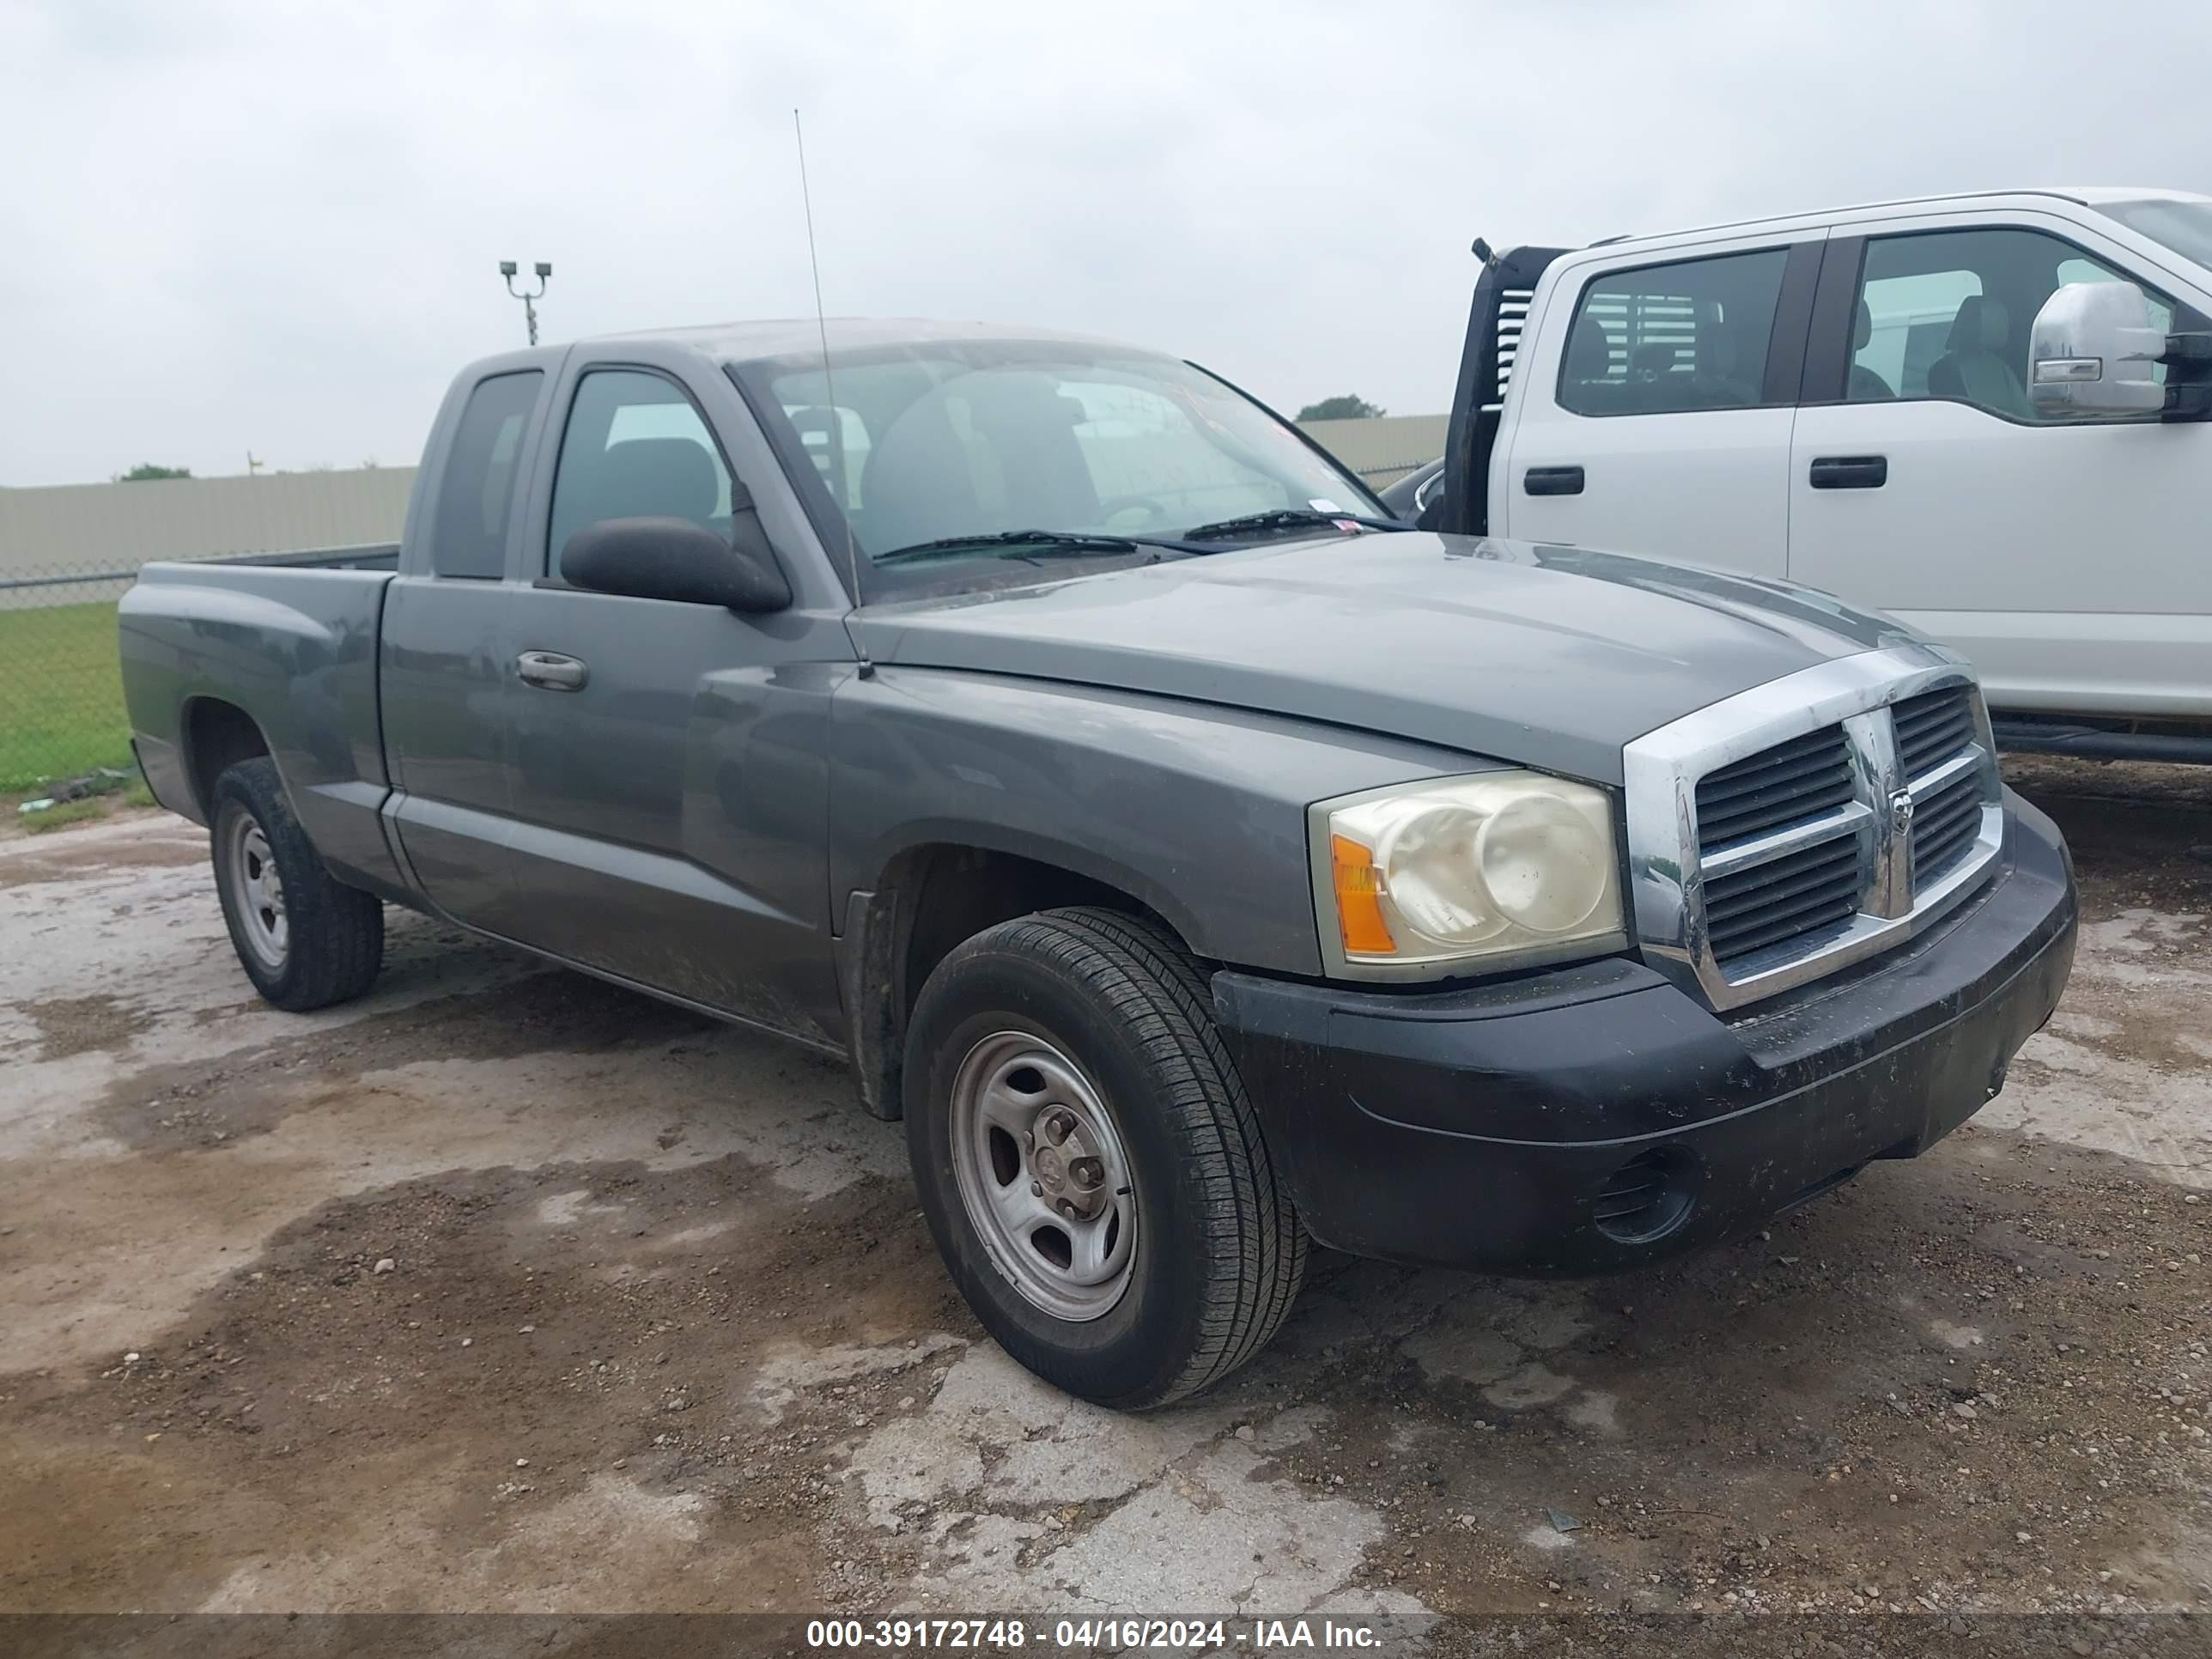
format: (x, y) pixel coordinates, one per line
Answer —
(1648, 1197)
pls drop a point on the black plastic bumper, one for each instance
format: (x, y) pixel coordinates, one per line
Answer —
(1491, 1127)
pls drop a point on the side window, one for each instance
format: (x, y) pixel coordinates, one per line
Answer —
(1947, 315)
(1666, 339)
(476, 498)
(635, 448)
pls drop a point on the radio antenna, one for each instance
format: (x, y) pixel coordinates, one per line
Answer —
(835, 434)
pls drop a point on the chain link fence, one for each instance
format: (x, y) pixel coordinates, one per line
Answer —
(61, 688)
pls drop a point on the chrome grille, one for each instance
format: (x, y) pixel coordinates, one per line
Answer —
(1791, 781)
(1934, 727)
(1798, 894)
(1786, 832)
(1936, 750)
(1944, 827)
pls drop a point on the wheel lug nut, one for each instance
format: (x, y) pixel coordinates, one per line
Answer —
(1037, 1189)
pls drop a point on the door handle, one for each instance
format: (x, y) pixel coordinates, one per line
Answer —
(551, 672)
(1553, 481)
(1850, 472)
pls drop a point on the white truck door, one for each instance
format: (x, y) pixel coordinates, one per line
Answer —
(2068, 558)
(1653, 413)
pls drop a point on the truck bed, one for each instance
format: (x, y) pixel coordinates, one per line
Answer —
(287, 642)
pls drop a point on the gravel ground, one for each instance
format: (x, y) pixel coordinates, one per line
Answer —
(505, 1289)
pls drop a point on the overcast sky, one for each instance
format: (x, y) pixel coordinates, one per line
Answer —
(274, 225)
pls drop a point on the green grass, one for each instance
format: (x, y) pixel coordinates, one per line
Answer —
(69, 812)
(90, 809)
(61, 695)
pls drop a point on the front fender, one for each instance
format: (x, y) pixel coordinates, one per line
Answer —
(1195, 810)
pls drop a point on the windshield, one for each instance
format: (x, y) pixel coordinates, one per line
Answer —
(939, 441)
(2184, 227)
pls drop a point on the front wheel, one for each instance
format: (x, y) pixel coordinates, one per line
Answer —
(1090, 1167)
(305, 939)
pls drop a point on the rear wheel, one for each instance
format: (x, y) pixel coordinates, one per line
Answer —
(305, 939)
(1088, 1163)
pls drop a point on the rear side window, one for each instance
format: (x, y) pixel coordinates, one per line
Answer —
(1666, 339)
(476, 497)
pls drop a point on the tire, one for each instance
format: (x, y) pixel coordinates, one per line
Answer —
(319, 941)
(1081, 1012)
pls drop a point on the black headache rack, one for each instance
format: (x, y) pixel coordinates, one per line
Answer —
(1502, 295)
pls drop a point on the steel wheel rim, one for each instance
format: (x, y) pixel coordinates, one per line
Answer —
(1044, 1175)
(259, 892)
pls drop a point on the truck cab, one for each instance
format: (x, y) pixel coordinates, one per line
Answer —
(1875, 402)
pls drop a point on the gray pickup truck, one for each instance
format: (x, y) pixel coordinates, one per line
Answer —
(1200, 863)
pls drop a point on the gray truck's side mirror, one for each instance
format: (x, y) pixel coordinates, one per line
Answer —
(2094, 352)
(671, 559)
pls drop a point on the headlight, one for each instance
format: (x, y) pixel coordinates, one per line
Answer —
(1461, 875)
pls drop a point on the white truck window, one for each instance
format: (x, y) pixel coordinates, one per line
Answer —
(1665, 339)
(1903, 323)
(1947, 314)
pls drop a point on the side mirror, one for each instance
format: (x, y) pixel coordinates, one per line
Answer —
(2093, 352)
(671, 559)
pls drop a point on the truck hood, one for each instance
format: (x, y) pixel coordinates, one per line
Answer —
(1541, 655)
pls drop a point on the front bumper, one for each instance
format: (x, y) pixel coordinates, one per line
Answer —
(1595, 1117)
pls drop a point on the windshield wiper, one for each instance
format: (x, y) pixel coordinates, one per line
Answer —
(1070, 540)
(1285, 518)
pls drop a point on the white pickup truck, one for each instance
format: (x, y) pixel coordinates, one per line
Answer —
(1986, 415)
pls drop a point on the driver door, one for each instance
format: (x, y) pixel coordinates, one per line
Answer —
(2064, 556)
(670, 795)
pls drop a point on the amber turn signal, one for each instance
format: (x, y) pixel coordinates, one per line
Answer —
(1358, 899)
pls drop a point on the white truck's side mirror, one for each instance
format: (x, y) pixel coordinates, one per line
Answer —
(2094, 354)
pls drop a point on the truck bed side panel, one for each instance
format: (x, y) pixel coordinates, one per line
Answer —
(295, 649)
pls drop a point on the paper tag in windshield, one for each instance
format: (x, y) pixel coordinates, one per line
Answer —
(1323, 504)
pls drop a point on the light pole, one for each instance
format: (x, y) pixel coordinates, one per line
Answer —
(506, 269)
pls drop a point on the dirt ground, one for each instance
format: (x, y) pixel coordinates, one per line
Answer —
(505, 1289)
